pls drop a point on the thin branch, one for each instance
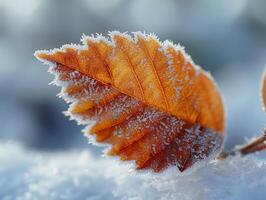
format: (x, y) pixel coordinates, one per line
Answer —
(257, 144)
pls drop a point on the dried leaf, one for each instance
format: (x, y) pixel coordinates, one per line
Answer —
(147, 99)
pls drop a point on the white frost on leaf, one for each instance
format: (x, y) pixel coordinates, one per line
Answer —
(29, 175)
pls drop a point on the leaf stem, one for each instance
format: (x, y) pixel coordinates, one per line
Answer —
(257, 144)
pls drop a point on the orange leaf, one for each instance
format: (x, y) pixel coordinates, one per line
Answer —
(147, 99)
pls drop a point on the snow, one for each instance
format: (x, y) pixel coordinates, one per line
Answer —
(26, 174)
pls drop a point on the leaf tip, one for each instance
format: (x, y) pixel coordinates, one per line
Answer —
(40, 54)
(45, 56)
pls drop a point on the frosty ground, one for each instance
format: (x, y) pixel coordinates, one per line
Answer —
(26, 174)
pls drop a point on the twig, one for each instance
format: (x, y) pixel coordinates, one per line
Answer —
(258, 144)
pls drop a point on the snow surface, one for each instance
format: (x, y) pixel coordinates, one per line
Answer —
(25, 174)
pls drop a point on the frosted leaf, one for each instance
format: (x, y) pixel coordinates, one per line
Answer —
(143, 96)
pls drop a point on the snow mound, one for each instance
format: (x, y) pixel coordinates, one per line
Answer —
(26, 175)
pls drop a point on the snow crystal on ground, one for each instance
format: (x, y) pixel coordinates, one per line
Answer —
(26, 175)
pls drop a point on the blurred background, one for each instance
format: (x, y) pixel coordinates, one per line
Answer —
(226, 37)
